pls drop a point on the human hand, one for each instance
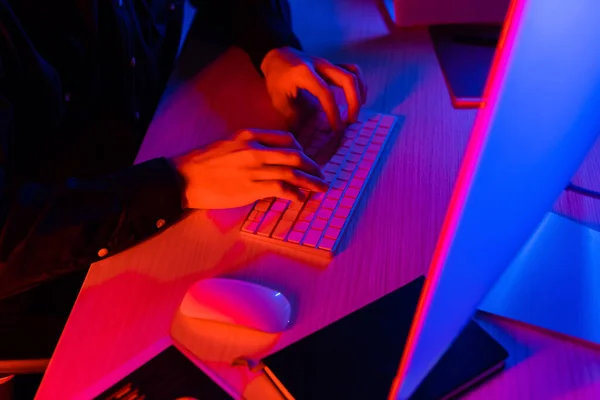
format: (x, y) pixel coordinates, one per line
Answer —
(253, 165)
(287, 71)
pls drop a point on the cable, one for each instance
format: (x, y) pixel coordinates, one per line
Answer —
(583, 191)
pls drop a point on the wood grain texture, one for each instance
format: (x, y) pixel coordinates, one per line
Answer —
(129, 301)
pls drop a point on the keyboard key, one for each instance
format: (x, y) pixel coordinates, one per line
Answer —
(332, 233)
(339, 184)
(351, 133)
(290, 215)
(366, 133)
(346, 142)
(295, 237)
(307, 215)
(318, 196)
(312, 237)
(356, 183)
(329, 204)
(268, 223)
(324, 213)
(279, 205)
(335, 194)
(262, 205)
(344, 175)
(282, 229)
(331, 167)
(378, 139)
(326, 244)
(342, 151)
(319, 224)
(342, 212)
(357, 149)
(329, 177)
(347, 202)
(349, 166)
(362, 141)
(337, 159)
(371, 124)
(365, 165)
(256, 216)
(301, 226)
(312, 204)
(351, 192)
(361, 174)
(337, 222)
(295, 206)
(250, 226)
(353, 158)
(369, 156)
(374, 147)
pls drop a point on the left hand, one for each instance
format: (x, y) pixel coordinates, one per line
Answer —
(287, 71)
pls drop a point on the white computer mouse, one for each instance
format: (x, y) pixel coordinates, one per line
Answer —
(237, 302)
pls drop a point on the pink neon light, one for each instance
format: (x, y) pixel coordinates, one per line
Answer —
(461, 189)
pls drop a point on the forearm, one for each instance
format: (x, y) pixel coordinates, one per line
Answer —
(49, 230)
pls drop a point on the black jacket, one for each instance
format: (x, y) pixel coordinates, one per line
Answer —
(79, 83)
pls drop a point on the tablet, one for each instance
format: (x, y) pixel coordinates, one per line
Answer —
(357, 357)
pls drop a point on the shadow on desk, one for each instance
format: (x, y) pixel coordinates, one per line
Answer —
(533, 355)
(371, 55)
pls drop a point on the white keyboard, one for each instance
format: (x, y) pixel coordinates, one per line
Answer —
(317, 224)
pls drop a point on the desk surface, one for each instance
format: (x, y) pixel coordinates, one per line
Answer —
(128, 301)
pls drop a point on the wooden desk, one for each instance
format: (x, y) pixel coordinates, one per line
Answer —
(128, 301)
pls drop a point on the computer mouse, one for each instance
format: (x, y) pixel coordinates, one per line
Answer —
(237, 302)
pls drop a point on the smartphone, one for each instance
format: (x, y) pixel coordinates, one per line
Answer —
(162, 372)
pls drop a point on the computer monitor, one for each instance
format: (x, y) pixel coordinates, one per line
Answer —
(541, 118)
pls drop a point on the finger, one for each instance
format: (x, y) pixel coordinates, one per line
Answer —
(289, 158)
(355, 69)
(311, 81)
(270, 138)
(347, 81)
(291, 176)
(281, 190)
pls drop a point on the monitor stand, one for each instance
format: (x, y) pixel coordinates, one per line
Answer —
(554, 282)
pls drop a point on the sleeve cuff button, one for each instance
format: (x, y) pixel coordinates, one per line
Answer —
(102, 253)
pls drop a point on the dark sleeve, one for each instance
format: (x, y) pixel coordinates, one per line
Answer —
(256, 26)
(49, 230)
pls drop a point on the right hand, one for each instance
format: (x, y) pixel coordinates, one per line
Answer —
(254, 164)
